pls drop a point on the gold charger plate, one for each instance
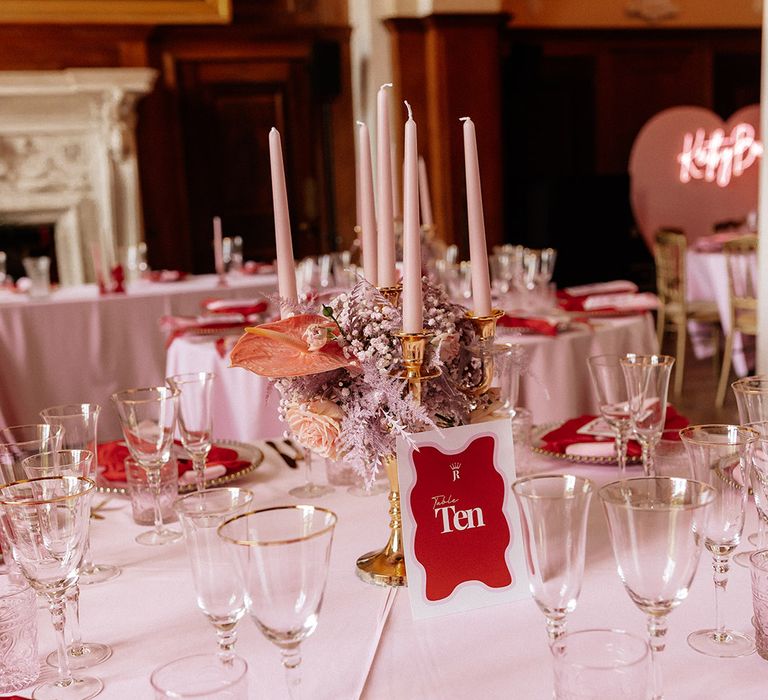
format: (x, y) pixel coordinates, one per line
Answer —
(536, 446)
(245, 451)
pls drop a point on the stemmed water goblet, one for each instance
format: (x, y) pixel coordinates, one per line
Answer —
(655, 526)
(647, 378)
(752, 402)
(610, 386)
(553, 512)
(195, 420)
(80, 422)
(282, 555)
(46, 524)
(148, 421)
(75, 463)
(219, 595)
(721, 455)
(309, 489)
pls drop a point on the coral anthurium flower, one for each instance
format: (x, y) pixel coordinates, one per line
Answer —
(280, 349)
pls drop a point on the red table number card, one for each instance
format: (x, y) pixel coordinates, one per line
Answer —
(462, 543)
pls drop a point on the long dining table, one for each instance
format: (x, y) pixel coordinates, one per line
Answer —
(367, 644)
(78, 346)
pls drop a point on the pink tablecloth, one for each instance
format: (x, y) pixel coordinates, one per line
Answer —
(707, 280)
(78, 347)
(149, 616)
(556, 385)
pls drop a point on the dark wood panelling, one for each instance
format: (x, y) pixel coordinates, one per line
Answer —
(448, 67)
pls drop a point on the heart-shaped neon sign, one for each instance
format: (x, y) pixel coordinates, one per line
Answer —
(690, 170)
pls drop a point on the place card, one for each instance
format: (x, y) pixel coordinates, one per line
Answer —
(461, 531)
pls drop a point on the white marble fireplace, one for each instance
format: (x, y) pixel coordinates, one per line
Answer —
(68, 157)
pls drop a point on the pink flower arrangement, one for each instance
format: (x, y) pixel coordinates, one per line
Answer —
(338, 373)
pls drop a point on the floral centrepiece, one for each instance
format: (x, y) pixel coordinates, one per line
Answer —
(338, 373)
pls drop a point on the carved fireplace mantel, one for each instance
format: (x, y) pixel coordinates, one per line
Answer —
(68, 156)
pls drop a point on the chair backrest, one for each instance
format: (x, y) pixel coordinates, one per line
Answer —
(669, 250)
(741, 264)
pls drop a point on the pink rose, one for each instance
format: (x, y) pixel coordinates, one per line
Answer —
(316, 426)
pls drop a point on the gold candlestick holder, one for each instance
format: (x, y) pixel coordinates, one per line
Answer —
(386, 567)
(485, 331)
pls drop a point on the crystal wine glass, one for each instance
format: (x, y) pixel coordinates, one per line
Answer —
(655, 526)
(752, 402)
(148, 420)
(195, 418)
(16, 443)
(80, 423)
(219, 595)
(70, 463)
(610, 386)
(721, 455)
(553, 512)
(309, 489)
(282, 555)
(46, 524)
(758, 480)
(647, 378)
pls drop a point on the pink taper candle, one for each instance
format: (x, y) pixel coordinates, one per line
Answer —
(478, 252)
(424, 199)
(218, 246)
(413, 321)
(368, 218)
(384, 215)
(286, 271)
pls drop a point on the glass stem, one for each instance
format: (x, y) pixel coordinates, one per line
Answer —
(308, 466)
(56, 605)
(657, 632)
(622, 438)
(291, 658)
(720, 568)
(153, 479)
(87, 564)
(76, 647)
(198, 464)
(556, 631)
(226, 637)
(649, 466)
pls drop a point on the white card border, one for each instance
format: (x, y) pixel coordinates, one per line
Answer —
(470, 594)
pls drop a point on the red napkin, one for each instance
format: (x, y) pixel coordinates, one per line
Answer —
(112, 457)
(233, 306)
(538, 325)
(558, 439)
(177, 326)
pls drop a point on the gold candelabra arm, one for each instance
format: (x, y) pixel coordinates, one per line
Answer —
(485, 333)
(414, 346)
(392, 294)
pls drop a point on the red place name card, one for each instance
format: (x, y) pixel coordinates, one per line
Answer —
(463, 548)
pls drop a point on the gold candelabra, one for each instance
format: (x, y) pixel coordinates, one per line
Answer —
(386, 567)
(392, 294)
(485, 332)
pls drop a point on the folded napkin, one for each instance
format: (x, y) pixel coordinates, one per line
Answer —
(112, 456)
(537, 325)
(562, 439)
(577, 298)
(613, 287)
(244, 307)
(621, 302)
(177, 326)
